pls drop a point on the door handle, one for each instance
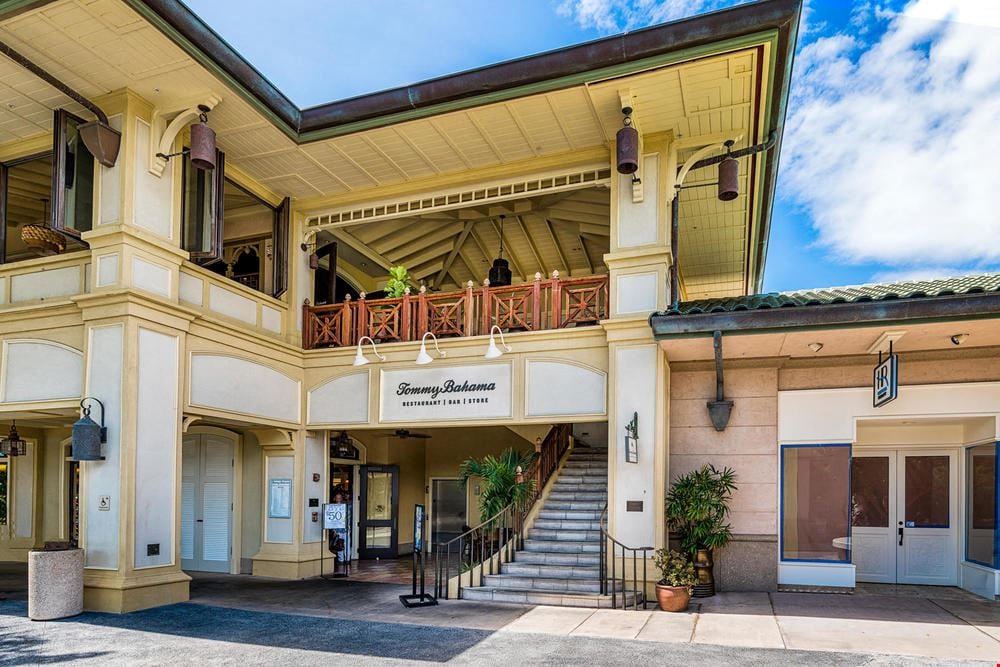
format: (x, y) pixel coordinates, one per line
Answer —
(203, 521)
(900, 536)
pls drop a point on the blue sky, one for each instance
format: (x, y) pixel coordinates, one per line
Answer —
(889, 163)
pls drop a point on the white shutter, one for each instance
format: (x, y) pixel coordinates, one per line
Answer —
(187, 520)
(215, 511)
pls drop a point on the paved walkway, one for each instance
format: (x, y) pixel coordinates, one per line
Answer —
(958, 628)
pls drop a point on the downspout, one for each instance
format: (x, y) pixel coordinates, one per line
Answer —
(675, 207)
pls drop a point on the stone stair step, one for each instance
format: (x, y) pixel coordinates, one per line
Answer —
(568, 524)
(582, 479)
(571, 515)
(529, 596)
(589, 494)
(551, 558)
(551, 571)
(545, 583)
(560, 546)
(563, 535)
(574, 505)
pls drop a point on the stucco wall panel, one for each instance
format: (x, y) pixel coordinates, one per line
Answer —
(706, 440)
(753, 411)
(911, 371)
(739, 383)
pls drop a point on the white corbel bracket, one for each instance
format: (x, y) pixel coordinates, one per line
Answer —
(711, 145)
(167, 133)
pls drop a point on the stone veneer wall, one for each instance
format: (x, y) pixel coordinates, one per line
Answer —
(749, 443)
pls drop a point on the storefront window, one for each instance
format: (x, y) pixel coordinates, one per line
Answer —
(981, 505)
(815, 502)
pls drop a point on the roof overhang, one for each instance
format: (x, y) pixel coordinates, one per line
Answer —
(829, 316)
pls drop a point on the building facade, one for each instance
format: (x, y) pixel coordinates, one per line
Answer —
(238, 326)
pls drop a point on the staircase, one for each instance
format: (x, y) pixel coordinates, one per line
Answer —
(560, 562)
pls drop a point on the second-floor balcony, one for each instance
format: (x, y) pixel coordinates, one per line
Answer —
(552, 303)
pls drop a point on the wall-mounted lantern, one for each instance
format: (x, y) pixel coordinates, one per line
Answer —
(360, 359)
(88, 435)
(632, 439)
(494, 352)
(720, 409)
(203, 148)
(423, 358)
(627, 145)
(13, 444)
(729, 175)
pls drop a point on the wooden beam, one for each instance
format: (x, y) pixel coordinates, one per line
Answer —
(531, 245)
(350, 240)
(586, 255)
(466, 230)
(559, 251)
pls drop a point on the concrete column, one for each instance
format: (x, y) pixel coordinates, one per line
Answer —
(130, 502)
(639, 266)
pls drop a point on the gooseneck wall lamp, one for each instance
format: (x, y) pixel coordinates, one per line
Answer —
(88, 435)
(494, 352)
(423, 358)
(360, 359)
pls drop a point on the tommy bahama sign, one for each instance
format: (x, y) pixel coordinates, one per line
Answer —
(447, 393)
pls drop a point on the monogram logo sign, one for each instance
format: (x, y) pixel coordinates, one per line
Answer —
(447, 393)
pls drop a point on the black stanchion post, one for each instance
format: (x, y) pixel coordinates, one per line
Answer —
(421, 599)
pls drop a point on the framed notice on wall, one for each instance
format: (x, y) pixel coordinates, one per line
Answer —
(279, 499)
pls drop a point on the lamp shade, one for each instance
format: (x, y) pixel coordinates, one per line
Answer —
(627, 149)
(87, 438)
(729, 179)
(203, 146)
(103, 141)
(360, 359)
(493, 352)
(422, 357)
(500, 275)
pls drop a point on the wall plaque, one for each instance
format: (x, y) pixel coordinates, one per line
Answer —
(633, 505)
(447, 393)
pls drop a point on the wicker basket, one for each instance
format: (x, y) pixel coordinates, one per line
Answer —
(43, 238)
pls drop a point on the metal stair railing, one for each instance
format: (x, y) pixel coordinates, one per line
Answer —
(627, 552)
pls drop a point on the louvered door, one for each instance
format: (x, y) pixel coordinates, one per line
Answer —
(206, 503)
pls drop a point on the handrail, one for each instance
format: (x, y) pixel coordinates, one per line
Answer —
(613, 583)
(502, 535)
(552, 303)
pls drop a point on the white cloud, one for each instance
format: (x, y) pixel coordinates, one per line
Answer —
(619, 15)
(892, 147)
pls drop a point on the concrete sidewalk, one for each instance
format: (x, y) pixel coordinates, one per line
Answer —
(946, 629)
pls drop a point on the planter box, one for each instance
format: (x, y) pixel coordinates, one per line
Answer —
(55, 584)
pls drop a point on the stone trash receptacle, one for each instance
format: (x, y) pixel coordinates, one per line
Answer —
(55, 583)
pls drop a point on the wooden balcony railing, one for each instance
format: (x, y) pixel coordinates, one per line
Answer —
(553, 303)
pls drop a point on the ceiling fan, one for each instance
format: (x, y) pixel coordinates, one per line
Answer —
(404, 434)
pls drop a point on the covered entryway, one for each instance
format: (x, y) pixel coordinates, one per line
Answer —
(904, 505)
(207, 501)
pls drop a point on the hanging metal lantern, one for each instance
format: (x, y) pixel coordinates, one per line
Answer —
(729, 175)
(13, 444)
(203, 144)
(500, 275)
(627, 146)
(88, 435)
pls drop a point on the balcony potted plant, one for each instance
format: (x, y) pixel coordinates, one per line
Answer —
(399, 281)
(697, 507)
(673, 590)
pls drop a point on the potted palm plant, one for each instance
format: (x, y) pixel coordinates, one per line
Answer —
(697, 507)
(673, 590)
(499, 475)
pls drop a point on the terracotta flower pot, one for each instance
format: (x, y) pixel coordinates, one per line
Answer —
(673, 598)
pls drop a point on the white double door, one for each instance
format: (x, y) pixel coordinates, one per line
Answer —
(904, 506)
(207, 503)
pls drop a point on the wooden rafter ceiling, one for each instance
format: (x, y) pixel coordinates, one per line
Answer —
(98, 46)
(566, 232)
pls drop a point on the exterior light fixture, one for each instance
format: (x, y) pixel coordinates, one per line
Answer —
(500, 274)
(729, 175)
(102, 140)
(203, 148)
(627, 145)
(423, 358)
(88, 435)
(959, 338)
(494, 352)
(13, 444)
(360, 359)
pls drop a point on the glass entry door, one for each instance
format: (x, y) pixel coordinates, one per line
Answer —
(904, 508)
(379, 512)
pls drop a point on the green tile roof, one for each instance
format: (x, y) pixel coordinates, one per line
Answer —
(911, 289)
